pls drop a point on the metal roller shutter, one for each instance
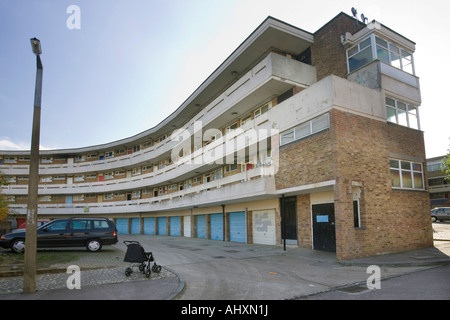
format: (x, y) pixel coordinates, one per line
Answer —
(162, 222)
(238, 226)
(135, 226)
(201, 226)
(175, 226)
(122, 225)
(149, 226)
(217, 226)
(264, 227)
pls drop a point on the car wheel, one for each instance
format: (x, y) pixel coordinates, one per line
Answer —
(94, 245)
(18, 246)
(433, 219)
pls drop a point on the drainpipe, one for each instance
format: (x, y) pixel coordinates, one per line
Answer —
(283, 217)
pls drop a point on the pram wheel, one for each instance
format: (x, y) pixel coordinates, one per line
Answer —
(147, 273)
(156, 268)
(128, 271)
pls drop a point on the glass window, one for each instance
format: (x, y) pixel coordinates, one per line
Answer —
(391, 114)
(407, 64)
(406, 179)
(402, 113)
(79, 224)
(320, 123)
(395, 178)
(360, 59)
(287, 137)
(393, 164)
(407, 175)
(305, 129)
(100, 224)
(58, 225)
(302, 130)
(418, 180)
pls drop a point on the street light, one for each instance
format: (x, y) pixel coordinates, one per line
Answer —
(29, 272)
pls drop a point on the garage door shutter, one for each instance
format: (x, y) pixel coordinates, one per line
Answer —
(135, 226)
(217, 226)
(238, 227)
(175, 226)
(264, 227)
(122, 225)
(162, 231)
(149, 225)
(201, 226)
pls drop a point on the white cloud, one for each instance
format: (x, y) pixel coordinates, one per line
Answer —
(7, 144)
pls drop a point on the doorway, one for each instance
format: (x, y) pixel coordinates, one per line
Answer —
(289, 215)
(324, 233)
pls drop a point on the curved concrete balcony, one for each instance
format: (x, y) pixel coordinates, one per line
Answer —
(271, 77)
(246, 186)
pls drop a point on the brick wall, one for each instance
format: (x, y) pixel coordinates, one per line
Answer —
(392, 220)
(328, 54)
(356, 151)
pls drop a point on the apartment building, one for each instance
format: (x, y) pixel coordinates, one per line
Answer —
(309, 138)
(439, 186)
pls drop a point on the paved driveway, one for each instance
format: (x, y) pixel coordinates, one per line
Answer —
(226, 270)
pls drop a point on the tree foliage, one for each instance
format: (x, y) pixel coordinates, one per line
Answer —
(3, 200)
(446, 165)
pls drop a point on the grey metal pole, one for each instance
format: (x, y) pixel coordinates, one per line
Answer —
(29, 272)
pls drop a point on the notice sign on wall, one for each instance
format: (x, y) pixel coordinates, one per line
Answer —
(321, 219)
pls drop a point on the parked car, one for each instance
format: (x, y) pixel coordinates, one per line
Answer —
(91, 233)
(440, 214)
(23, 226)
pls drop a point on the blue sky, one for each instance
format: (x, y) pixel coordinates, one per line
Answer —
(134, 62)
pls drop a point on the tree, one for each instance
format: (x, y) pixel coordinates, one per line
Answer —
(3, 200)
(446, 165)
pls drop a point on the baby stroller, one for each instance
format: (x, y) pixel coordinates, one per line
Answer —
(136, 255)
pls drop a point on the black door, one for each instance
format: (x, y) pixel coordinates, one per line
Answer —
(79, 232)
(289, 217)
(324, 235)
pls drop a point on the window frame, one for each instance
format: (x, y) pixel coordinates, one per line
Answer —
(408, 113)
(401, 170)
(390, 49)
(296, 136)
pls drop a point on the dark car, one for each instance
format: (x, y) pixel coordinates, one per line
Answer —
(91, 233)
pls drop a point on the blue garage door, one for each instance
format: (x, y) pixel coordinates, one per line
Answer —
(122, 225)
(175, 226)
(135, 226)
(238, 227)
(200, 226)
(149, 225)
(162, 222)
(217, 226)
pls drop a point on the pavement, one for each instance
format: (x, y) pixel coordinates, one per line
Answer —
(208, 269)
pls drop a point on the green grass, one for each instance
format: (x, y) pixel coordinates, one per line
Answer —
(44, 259)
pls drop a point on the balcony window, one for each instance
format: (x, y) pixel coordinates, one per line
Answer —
(375, 47)
(360, 55)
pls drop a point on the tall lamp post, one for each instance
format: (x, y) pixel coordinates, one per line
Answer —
(29, 272)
